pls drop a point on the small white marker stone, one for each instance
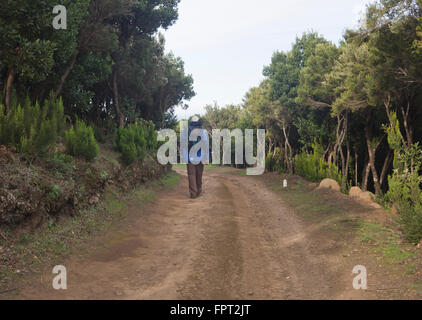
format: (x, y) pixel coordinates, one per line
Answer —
(284, 183)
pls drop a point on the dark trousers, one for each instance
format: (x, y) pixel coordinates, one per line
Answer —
(195, 178)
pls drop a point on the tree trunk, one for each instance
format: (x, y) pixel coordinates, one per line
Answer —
(119, 115)
(407, 127)
(346, 170)
(66, 74)
(385, 167)
(356, 168)
(270, 146)
(372, 154)
(340, 135)
(289, 152)
(365, 176)
(8, 89)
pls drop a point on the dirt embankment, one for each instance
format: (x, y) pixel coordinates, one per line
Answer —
(36, 191)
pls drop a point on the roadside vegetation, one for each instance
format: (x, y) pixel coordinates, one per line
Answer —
(68, 98)
(363, 235)
(79, 114)
(350, 112)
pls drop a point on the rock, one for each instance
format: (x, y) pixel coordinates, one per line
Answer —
(375, 205)
(366, 197)
(355, 192)
(329, 184)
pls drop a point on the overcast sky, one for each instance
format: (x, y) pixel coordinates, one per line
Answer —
(226, 43)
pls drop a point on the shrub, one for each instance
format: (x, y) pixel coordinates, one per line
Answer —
(80, 141)
(30, 128)
(405, 193)
(274, 161)
(314, 168)
(405, 183)
(136, 140)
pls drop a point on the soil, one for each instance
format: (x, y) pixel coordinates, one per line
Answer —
(239, 240)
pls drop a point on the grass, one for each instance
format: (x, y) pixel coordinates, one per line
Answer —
(308, 204)
(386, 242)
(417, 286)
(383, 241)
(31, 252)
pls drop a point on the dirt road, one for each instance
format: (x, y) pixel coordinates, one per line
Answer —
(237, 241)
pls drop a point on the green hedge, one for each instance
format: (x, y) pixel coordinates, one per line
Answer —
(136, 140)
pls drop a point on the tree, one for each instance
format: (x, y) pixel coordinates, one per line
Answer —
(26, 50)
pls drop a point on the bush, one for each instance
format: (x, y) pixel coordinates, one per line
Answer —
(103, 129)
(405, 193)
(30, 128)
(314, 168)
(274, 161)
(80, 141)
(405, 183)
(136, 140)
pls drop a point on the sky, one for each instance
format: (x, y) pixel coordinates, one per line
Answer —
(225, 44)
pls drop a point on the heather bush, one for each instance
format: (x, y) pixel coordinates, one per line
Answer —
(136, 140)
(31, 128)
(314, 168)
(80, 141)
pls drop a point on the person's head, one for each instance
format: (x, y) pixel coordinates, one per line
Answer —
(196, 121)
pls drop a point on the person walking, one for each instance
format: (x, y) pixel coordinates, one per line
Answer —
(195, 162)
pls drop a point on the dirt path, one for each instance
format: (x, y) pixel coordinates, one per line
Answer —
(237, 241)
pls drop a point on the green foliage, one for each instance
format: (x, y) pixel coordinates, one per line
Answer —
(30, 128)
(136, 140)
(405, 193)
(104, 39)
(274, 161)
(313, 167)
(54, 192)
(80, 141)
(405, 183)
(60, 163)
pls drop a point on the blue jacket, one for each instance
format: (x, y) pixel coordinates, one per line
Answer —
(204, 137)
